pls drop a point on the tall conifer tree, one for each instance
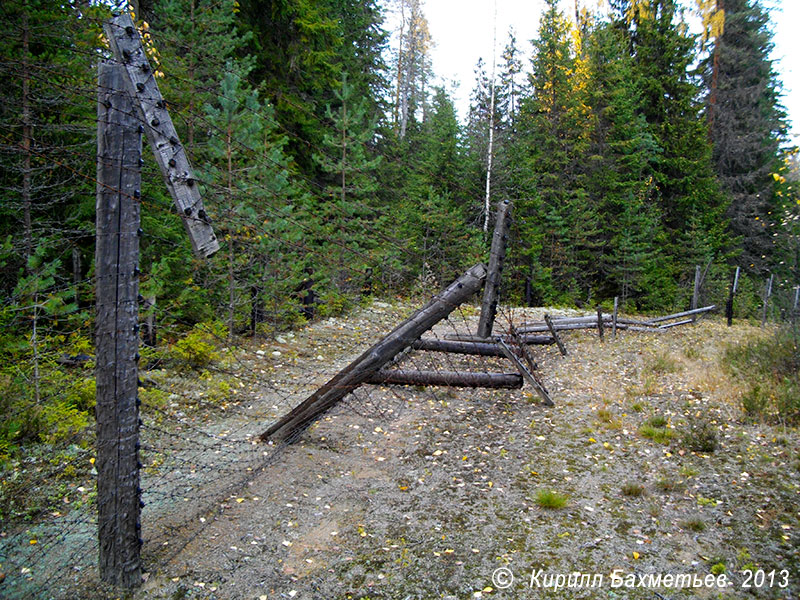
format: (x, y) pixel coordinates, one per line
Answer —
(687, 189)
(553, 127)
(747, 126)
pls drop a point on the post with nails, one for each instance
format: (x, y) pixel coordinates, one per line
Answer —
(119, 146)
(129, 104)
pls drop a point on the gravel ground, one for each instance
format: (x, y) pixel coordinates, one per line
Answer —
(445, 493)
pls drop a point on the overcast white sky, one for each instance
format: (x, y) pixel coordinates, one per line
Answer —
(462, 32)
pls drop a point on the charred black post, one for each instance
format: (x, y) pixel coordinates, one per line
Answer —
(491, 293)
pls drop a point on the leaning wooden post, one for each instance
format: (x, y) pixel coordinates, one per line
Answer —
(362, 369)
(526, 373)
(123, 37)
(554, 333)
(767, 294)
(119, 146)
(614, 317)
(600, 323)
(731, 294)
(491, 292)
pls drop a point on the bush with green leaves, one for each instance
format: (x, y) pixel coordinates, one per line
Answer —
(199, 348)
(770, 367)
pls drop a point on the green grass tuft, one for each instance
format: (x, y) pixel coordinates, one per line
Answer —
(550, 499)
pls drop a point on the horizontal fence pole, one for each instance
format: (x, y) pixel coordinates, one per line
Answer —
(448, 379)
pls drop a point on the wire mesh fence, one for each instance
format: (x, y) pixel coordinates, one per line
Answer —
(237, 342)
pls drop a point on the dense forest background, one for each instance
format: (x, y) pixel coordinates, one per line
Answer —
(334, 169)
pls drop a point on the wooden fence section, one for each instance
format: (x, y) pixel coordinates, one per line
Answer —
(362, 369)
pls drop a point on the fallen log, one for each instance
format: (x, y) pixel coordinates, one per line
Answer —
(679, 315)
(291, 425)
(511, 381)
(676, 323)
(458, 347)
(626, 321)
(637, 328)
(541, 328)
(531, 340)
(564, 322)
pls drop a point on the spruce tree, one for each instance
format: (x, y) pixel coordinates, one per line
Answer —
(194, 40)
(295, 46)
(747, 127)
(622, 159)
(687, 189)
(361, 51)
(553, 127)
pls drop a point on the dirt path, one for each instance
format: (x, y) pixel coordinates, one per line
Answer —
(431, 499)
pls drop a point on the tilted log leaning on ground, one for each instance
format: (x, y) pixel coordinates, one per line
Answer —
(370, 362)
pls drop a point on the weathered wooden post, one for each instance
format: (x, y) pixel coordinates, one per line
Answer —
(491, 292)
(731, 294)
(767, 294)
(554, 333)
(123, 37)
(614, 317)
(119, 146)
(696, 292)
(600, 323)
(129, 103)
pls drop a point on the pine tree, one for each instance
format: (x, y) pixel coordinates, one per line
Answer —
(248, 172)
(351, 184)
